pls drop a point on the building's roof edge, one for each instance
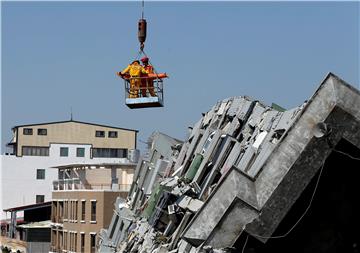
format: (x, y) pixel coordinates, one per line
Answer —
(75, 121)
(28, 207)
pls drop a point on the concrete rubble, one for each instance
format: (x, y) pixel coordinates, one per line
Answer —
(241, 169)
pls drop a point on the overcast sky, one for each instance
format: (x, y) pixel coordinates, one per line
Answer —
(58, 55)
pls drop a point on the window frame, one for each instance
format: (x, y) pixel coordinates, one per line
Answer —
(40, 176)
(113, 134)
(42, 131)
(77, 152)
(93, 214)
(75, 241)
(112, 230)
(65, 239)
(82, 242)
(76, 207)
(36, 199)
(83, 210)
(67, 151)
(34, 151)
(100, 133)
(110, 152)
(92, 240)
(26, 129)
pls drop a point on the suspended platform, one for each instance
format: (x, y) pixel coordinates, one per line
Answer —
(144, 102)
(150, 94)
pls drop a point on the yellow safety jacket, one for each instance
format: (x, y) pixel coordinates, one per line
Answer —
(134, 70)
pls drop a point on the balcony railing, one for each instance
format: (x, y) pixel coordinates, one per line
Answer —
(76, 184)
(55, 249)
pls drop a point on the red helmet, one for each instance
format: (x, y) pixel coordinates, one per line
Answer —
(145, 59)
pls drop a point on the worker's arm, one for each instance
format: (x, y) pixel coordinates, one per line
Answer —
(126, 70)
(143, 71)
(149, 70)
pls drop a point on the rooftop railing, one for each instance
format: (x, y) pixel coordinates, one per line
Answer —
(76, 184)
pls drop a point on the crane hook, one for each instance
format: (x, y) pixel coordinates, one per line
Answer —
(142, 33)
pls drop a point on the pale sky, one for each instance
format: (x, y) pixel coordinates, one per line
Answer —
(62, 55)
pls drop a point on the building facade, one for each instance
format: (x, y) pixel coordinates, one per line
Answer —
(38, 147)
(83, 200)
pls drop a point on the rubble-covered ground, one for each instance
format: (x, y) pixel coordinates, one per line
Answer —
(236, 177)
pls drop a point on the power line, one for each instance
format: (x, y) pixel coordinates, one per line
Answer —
(247, 237)
(346, 154)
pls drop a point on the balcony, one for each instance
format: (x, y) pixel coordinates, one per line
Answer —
(76, 184)
(55, 249)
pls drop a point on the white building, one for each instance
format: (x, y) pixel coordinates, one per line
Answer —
(26, 175)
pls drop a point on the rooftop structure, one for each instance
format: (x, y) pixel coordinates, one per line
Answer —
(35, 139)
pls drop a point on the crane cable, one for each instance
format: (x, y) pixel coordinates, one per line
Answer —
(142, 9)
(142, 48)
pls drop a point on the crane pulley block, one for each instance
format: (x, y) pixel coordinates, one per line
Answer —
(142, 32)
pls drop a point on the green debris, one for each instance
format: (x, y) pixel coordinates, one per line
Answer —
(277, 107)
(194, 166)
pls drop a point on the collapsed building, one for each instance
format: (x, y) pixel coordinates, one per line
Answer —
(250, 178)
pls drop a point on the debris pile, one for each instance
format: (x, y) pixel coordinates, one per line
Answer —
(232, 176)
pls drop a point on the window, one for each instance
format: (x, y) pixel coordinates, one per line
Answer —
(40, 198)
(65, 240)
(42, 131)
(82, 242)
(113, 134)
(27, 131)
(61, 211)
(71, 211)
(93, 210)
(109, 152)
(100, 134)
(61, 239)
(71, 241)
(35, 151)
(75, 241)
(80, 152)
(83, 210)
(40, 174)
(76, 210)
(53, 211)
(92, 242)
(64, 151)
(207, 143)
(113, 227)
(66, 209)
(53, 238)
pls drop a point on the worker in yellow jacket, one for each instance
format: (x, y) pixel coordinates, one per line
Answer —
(135, 70)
